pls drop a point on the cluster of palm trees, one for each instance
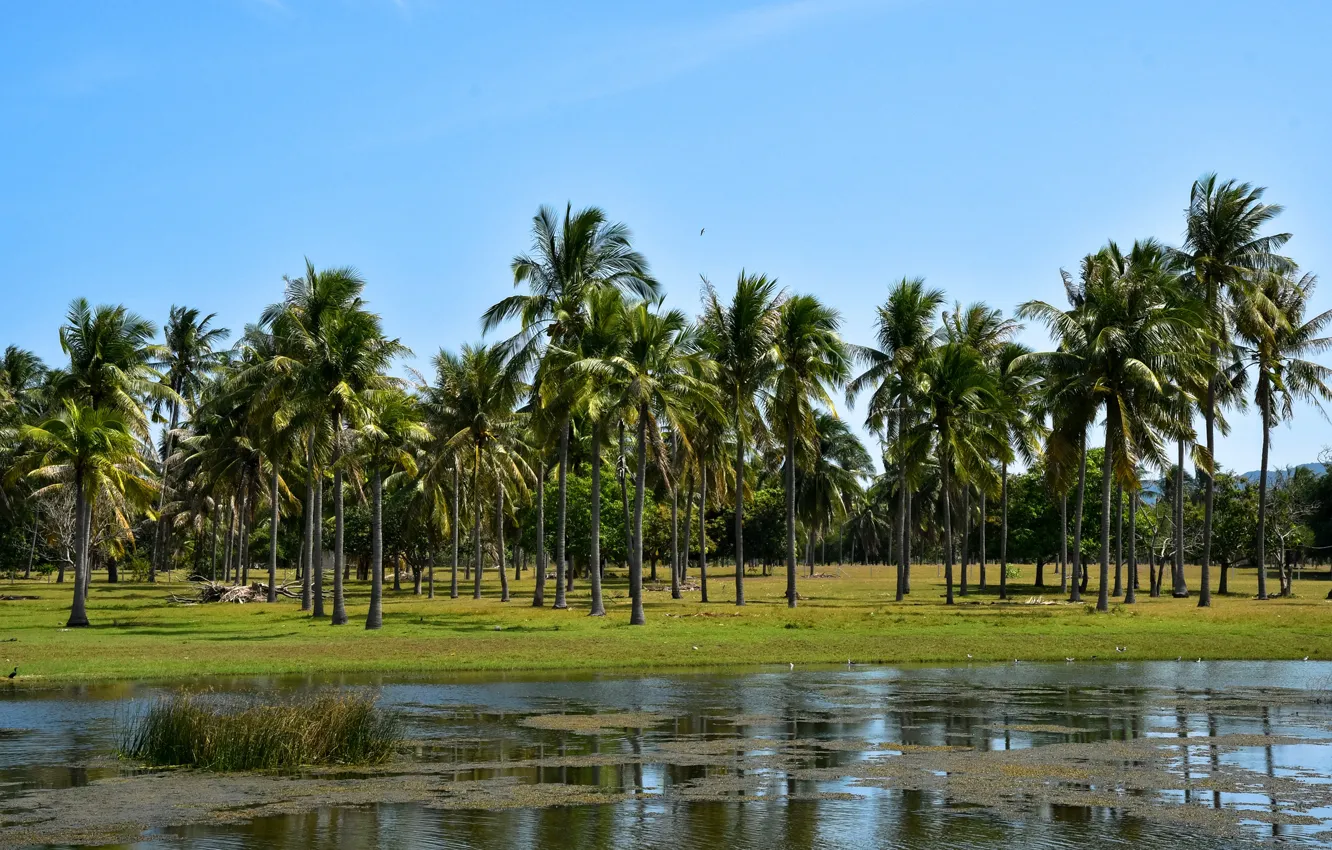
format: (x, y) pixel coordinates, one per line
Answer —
(699, 413)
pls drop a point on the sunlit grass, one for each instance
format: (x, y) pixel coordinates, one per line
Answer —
(136, 635)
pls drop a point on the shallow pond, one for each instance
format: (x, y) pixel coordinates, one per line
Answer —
(1173, 754)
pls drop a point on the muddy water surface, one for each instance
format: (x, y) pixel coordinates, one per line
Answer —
(1178, 754)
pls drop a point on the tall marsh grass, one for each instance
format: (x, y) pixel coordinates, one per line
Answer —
(202, 730)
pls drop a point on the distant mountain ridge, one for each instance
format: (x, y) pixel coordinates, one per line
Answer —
(1315, 468)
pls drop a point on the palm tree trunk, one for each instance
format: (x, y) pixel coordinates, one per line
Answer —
(1103, 591)
(906, 548)
(1076, 593)
(703, 532)
(1131, 589)
(948, 532)
(374, 619)
(739, 513)
(981, 549)
(217, 527)
(901, 534)
(32, 550)
(1179, 589)
(457, 515)
(1063, 542)
(790, 516)
(499, 542)
(78, 610)
(560, 563)
(273, 520)
(230, 538)
(966, 536)
(675, 517)
(242, 528)
(317, 546)
(636, 617)
(622, 473)
(1119, 541)
(160, 539)
(594, 553)
(339, 556)
(1209, 486)
(688, 525)
(1261, 543)
(308, 531)
(476, 523)
(539, 593)
(1003, 532)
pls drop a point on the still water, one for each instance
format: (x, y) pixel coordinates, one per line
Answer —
(1173, 754)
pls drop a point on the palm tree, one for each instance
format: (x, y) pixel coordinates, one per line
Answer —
(342, 355)
(1017, 376)
(1225, 255)
(1142, 332)
(568, 259)
(22, 378)
(486, 383)
(585, 370)
(111, 358)
(385, 441)
(904, 335)
(1277, 352)
(96, 452)
(811, 359)
(741, 338)
(830, 469)
(655, 376)
(188, 357)
(959, 410)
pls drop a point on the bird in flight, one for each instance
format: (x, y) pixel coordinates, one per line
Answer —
(700, 230)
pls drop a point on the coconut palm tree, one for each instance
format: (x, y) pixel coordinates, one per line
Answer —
(1225, 254)
(1018, 379)
(111, 356)
(830, 469)
(904, 335)
(659, 375)
(741, 338)
(568, 259)
(487, 385)
(1142, 332)
(811, 360)
(22, 380)
(1277, 353)
(96, 452)
(960, 412)
(188, 357)
(343, 355)
(385, 441)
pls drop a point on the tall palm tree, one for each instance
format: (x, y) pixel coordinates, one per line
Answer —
(1142, 332)
(188, 357)
(959, 410)
(95, 452)
(1277, 353)
(568, 259)
(1017, 376)
(904, 335)
(384, 441)
(111, 357)
(654, 377)
(741, 338)
(830, 469)
(487, 385)
(22, 379)
(811, 360)
(342, 354)
(1225, 254)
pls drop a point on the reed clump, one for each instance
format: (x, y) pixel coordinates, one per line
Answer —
(229, 733)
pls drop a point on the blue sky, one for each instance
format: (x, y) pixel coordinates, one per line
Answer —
(167, 152)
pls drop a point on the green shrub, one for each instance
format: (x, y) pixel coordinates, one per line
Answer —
(220, 733)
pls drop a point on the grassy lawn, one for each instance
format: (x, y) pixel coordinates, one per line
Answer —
(136, 634)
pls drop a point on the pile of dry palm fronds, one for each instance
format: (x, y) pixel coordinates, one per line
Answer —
(216, 591)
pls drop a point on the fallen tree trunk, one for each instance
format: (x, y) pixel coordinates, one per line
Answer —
(213, 591)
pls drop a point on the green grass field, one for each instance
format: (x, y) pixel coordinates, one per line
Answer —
(135, 634)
